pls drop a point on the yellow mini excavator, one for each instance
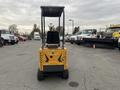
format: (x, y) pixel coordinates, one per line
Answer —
(53, 54)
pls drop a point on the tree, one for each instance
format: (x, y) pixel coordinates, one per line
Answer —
(76, 29)
(13, 28)
(61, 30)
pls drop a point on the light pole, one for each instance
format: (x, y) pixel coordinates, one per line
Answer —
(72, 24)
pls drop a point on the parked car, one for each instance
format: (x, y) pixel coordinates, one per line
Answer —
(22, 38)
(87, 33)
(1, 40)
(16, 39)
(7, 37)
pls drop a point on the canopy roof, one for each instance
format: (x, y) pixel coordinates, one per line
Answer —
(52, 11)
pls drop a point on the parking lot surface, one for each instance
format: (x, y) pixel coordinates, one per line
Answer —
(90, 69)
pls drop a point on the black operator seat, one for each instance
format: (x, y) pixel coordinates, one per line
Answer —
(53, 39)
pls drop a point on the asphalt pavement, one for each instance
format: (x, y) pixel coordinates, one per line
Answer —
(90, 69)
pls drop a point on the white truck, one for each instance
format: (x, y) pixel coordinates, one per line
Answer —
(36, 36)
(87, 33)
(7, 37)
(73, 38)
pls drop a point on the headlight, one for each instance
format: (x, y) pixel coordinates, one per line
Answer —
(81, 38)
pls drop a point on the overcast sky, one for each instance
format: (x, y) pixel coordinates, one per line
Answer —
(25, 13)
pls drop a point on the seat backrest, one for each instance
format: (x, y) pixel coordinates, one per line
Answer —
(53, 37)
